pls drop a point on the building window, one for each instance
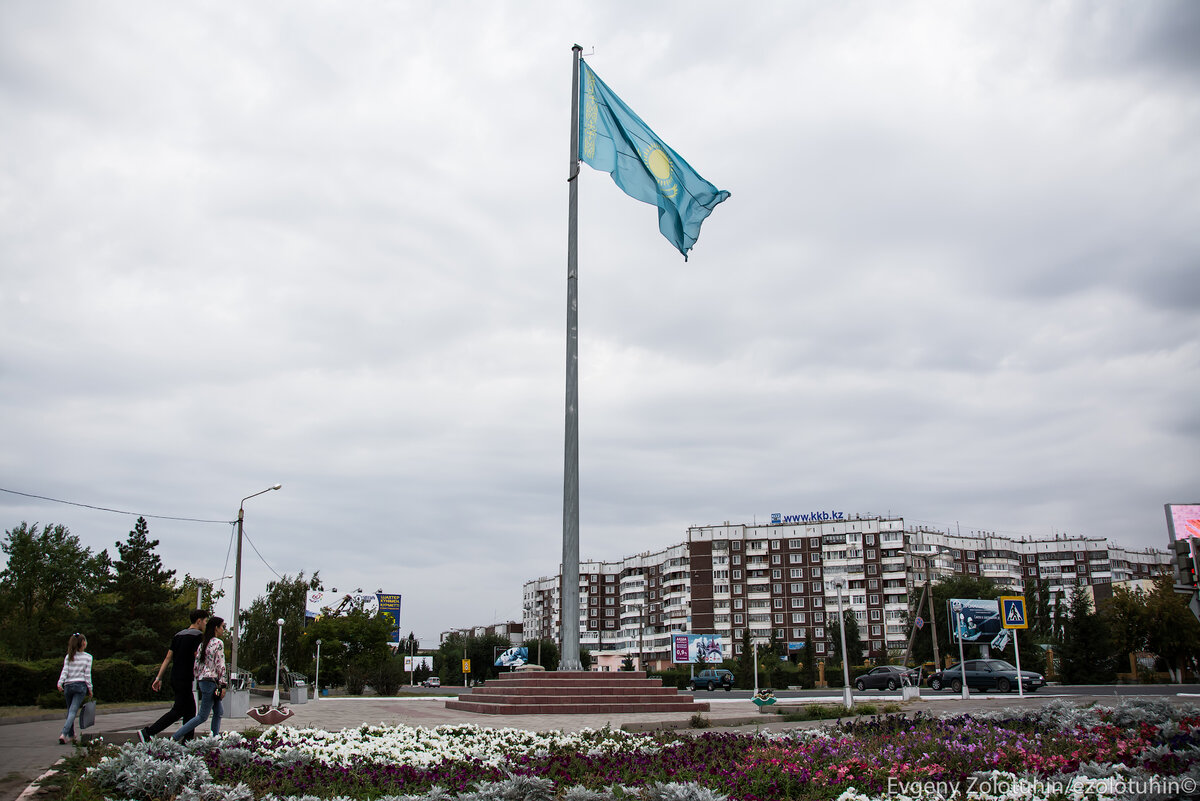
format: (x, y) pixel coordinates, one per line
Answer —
(814, 542)
(776, 574)
(795, 558)
(738, 619)
(876, 615)
(820, 648)
(737, 603)
(779, 619)
(737, 575)
(819, 633)
(777, 603)
(870, 540)
(799, 617)
(876, 631)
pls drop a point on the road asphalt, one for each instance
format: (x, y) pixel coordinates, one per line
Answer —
(28, 748)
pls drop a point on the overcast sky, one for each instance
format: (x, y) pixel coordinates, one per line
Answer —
(324, 244)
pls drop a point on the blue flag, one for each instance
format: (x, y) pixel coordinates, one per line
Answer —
(613, 139)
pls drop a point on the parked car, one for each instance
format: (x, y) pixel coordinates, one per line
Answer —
(888, 677)
(432, 681)
(985, 674)
(712, 679)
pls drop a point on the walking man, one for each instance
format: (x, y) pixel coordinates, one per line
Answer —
(182, 658)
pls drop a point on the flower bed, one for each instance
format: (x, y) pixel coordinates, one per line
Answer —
(1142, 750)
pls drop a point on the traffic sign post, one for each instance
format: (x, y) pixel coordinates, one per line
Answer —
(1012, 617)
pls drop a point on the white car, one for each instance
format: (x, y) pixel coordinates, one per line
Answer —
(432, 681)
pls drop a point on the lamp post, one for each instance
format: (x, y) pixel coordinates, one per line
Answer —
(847, 697)
(278, 661)
(962, 663)
(237, 583)
(317, 680)
(200, 583)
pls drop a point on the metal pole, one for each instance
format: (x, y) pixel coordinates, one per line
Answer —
(937, 660)
(847, 696)
(237, 598)
(1017, 651)
(570, 568)
(962, 660)
(237, 583)
(754, 650)
(278, 661)
(912, 636)
(317, 680)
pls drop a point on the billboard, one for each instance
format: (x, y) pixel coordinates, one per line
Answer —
(513, 657)
(1183, 521)
(389, 604)
(980, 621)
(412, 663)
(696, 648)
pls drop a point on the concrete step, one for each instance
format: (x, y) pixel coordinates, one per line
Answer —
(571, 707)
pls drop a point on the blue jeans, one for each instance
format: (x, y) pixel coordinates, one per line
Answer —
(208, 703)
(76, 692)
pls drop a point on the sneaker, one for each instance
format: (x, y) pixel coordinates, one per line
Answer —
(62, 740)
(142, 736)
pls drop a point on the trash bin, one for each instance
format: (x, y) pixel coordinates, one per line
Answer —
(299, 693)
(238, 703)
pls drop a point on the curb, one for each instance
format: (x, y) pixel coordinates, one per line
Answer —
(36, 785)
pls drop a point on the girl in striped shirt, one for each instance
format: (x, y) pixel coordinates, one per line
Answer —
(76, 681)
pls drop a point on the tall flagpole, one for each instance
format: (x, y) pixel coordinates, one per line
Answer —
(569, 659)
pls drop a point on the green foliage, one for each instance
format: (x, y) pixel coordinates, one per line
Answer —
(354, 649)
(854, 645)
(21, 682)
(285, 599)
(49, 574)
(547, 649)
(480, 650)
(1172, 631)
(942, 591)
(114, 680)
(1085, 655)
(627, 663)
(743, 671)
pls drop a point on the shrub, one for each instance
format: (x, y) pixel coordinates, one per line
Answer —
(22, 682)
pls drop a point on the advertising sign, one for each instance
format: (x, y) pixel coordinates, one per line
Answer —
(1183, 521)
(513, 657)
(412, 663)
(979, 621)
(696, 648)
(389, 604)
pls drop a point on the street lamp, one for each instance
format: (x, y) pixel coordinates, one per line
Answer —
(847, 697)
(278, 662)
(317, 680)
(962, 661)
(200, 584)
(237, 583)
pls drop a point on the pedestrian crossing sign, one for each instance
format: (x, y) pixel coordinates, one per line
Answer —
(1013, 608)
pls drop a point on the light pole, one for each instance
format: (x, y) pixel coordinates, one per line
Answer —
(278, 662)
(200, 583)
(317, 680)
(847, 696)
(962, 662)
(237, 583)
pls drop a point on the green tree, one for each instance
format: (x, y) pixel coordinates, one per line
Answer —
(1037, 601)
(284, 599)
(1172, 631)
(854, 646)
(355, 642)
(943, 591)
(143, 615)
(1125, 615)
(1085, 655)
(627, 663)
(48, 579)
(544, 649)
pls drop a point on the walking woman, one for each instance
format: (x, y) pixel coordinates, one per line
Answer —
(76, 681)
(210, 670)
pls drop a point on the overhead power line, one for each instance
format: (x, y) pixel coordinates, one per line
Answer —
(114, 511)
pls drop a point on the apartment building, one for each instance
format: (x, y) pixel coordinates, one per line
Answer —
(783, 577)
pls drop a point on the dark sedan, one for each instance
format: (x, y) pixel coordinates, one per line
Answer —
(888, 677)
(985, 674)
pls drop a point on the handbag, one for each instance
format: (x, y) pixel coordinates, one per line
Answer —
(87, 715)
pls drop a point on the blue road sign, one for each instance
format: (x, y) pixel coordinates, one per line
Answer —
(1013, 612)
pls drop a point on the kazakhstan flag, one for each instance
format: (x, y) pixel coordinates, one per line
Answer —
(615, 140)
